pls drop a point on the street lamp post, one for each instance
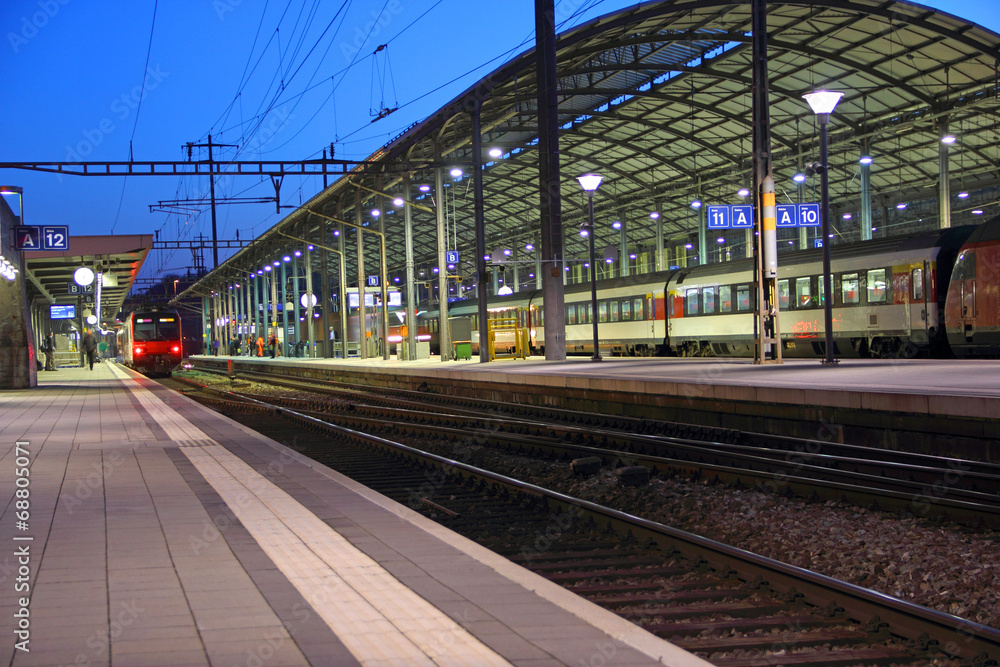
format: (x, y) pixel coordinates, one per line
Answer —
(590, 183)
(822, 103)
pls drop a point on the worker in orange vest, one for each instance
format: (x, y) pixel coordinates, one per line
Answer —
(260, 346)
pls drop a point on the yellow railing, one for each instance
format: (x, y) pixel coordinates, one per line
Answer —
(512, 337)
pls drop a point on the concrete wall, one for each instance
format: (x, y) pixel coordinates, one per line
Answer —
(17, 347)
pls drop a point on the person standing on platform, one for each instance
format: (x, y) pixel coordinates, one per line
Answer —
(272, 342)
(49, 348)
(90, 347)
(215, 347)
(260, 346)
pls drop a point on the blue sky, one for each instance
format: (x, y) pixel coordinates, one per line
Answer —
(73, 71)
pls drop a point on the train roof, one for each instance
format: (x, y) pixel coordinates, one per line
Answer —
(988, 231)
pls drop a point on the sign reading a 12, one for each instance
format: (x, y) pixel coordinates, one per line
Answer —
(55, 237)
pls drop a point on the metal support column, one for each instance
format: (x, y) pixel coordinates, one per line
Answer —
(768, 345)
(477, 188)
(326, 304)
(553, 291)
(283, 338)
(383, 280)
(444, 333)
(658, 263)
(411, 303)
(344, 301)
(944, 176)
(273, 322)
(362, 311)
(866, 196)
(296, 295)
(310, 314)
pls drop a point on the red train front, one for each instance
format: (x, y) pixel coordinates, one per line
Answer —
(150, 342)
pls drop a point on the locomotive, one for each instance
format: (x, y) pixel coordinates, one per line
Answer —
(150, 342)
(928, 294)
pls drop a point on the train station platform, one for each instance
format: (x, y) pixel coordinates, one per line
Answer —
(945, 407)
(153, 531)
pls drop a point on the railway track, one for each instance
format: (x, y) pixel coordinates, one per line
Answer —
(937, 488)
(733, 607)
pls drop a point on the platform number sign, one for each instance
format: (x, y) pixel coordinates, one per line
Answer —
(373, 281)
(719, 217)
(741, 216)
(55, 237)
(808, 215)
(451, 256)
(44, 237)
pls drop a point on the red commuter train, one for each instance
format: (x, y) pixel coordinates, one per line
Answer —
(150, 342)
(972, 309)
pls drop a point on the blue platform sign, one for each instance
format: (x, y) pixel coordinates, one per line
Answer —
(718, 217)
(451, 256)
(75, 289)
(808, 215)
(29, 237)
(55, 237)
(787, 215)
(742, 216)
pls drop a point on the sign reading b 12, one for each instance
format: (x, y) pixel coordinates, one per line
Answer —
(451, 256)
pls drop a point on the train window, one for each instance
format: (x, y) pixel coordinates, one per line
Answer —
(708, 300)
(571, 314)
(691, 302)
(156, 328)
(626, 310)
(918, 284)
(821, 290)
(638, 312)
(783, 296)
(849, 288)
(602, 311)
(743, 298)
(876, 286)
(965, 266)
(725, 299)
(615, 311)
(803, 292)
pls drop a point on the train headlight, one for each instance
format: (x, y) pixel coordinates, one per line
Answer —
(176, 349)
(139, 351)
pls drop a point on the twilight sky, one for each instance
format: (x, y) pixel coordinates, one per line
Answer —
(73, 72)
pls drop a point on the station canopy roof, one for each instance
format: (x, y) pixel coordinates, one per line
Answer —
(118, 258)
(657, 100)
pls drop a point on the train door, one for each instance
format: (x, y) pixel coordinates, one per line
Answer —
(917, 302)
(966, 279)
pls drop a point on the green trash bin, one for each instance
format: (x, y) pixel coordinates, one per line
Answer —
(462, 349)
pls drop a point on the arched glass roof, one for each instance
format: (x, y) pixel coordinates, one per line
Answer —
(657, 99)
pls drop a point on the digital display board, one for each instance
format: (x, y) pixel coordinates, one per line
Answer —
(62, 312)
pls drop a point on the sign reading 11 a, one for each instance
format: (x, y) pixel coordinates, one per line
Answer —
(741, 216)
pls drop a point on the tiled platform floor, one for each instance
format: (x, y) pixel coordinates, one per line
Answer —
(160, 533)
